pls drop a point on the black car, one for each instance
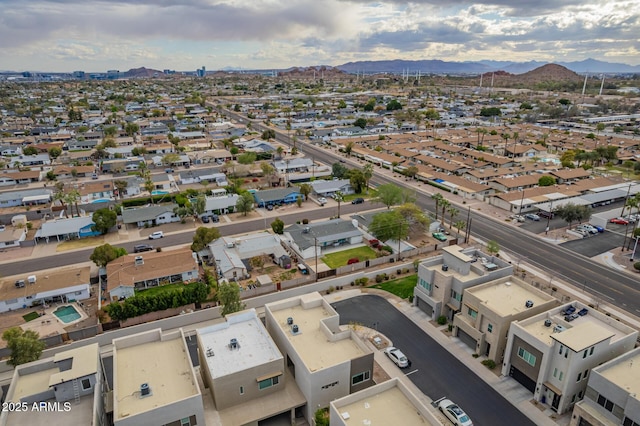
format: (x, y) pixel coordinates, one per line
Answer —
(357, 201)
(142, 247)
(205, 219)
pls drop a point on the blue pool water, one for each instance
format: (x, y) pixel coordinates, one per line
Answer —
(66, 314)
(101, 200)
(159, 192)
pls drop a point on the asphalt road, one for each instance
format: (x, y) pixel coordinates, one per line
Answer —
(437, 372)
(69, 258)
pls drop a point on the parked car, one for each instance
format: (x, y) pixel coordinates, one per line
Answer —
(598, 228)
(519, 218)
(582, 232)
(357, 200)
(374, 243)
(215, 218)
(532, 216)
(142, 247)
(586, 227)
(205, 219)
(322, 201)
(619, 221)
(397, 357)
(546, 215)
(156, 235)
(630, 218)
(353, 260)
(454, 413)
(269, 207)
(439, 236)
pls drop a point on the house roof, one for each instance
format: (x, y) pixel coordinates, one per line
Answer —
(218, 203)
(329, 185)
(15, 195)
(146, 213)
(84, 362)
(46, 282)
(124, 272)
(321, 232)
(63, 226)
(274, 194)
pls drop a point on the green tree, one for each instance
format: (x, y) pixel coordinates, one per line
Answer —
(444, 205)
(490, 112)
(104, 219)
(54, 153)
(394, 105)
(278, 226)
(229, 297)
(570, 213)
(25, 346)
(171, 158)
(247, 158)
(348, 148)
(131, 129)
(121, 185)
(245, 203)
(320, 417)
(360, 122)
(199, 204)
(339, 171)
(106, 253)
(389, 225)
(305, 190)
(357, 180)
(546, 181)
(110, 131)
(367, 172)
(268, 134)
(453, 212)
(267, 169)
(493, 247)
(414, 217)
(30, 150)
(389, 195)
(437, 197)
(339, 197)
(202, 237)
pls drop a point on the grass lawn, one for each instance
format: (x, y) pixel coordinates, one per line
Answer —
(80, 243)
(31, 316)
(160, 289)
(402, 287)
(340, 258)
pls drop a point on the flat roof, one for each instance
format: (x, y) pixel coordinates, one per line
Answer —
(163, 364)
(45, 282)
(33, 383)
(583, 335)
(255, 346)
(624, 373)
(456, 251)
(388, 407)
(311, 343)
(508, 297)
(451, 272)
(84, 362)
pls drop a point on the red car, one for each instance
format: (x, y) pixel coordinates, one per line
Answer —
(619, 221)
(353, 260)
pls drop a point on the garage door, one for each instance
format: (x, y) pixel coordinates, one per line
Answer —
(523, 379)
(425, 307)
(467, 339)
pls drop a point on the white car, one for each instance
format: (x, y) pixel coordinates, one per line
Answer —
(397, 357)
(322, 201)
(590, 229)
(156, 235)
(454, 413)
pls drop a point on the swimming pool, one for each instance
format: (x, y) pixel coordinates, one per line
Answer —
(159, 192)
(66, 314)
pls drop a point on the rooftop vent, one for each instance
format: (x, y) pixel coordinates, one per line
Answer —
(547, 323)
(529, 304)
(290, 321)
(445, 268)
(233, 344)
(145, 390)
(558, 328)
(306, 230)
(295, 329)
(139, 260)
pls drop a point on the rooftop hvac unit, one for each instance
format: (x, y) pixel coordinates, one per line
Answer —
(290, 321)
(295, 329)
(145, 390)
(139, 260)
(445, 268)
(547, 323)
(209, 352)
(558, 328)
(529, 304)
(306, 230)
(233, 344)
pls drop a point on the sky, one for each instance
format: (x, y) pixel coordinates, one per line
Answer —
(94, 36)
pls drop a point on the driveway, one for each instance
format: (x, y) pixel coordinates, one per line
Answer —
(434, 370)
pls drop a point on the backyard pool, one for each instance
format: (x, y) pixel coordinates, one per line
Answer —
(66, 314)
(159, 192)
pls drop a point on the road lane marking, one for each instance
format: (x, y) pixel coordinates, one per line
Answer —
(411, 372)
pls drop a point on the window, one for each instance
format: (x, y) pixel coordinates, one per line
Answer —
(527, 357)
(586, 351)
(425, 284)
(584, 376)
(78, 293)
(579, 377)
(267, 383)
(241, 390)
(560, 376)
(608, 405)
(472, 313)
(629, 422)
(86, 384)
(591, 351)
(456, 295)
(490, 328)
(359, 378)
(185, 422)
(560, 351)
(555, 372)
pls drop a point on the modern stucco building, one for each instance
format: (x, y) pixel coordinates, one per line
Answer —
(328, 362)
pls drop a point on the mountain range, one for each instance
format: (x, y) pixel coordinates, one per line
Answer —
(436, 66)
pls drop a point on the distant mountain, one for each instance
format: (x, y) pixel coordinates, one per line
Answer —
(435, 66)
(142, 72)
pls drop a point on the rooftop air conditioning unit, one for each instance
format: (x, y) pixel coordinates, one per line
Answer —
(306, 230)
(139, 260)
(529, 304)
(295, 329)
(445, 268)
(145, 390)
(558, 328)
(547, 323)
(233, 344)
(290, 321)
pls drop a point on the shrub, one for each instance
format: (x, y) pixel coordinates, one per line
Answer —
(387, 249)
(399, 271)
(410, 298)
(305, 221)
(636, 266)
(489, 363)
(379, 278)
(475, 355)
(442, 320)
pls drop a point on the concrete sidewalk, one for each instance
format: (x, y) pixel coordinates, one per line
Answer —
(511, 390)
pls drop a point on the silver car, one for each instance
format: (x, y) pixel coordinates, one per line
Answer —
(397, 357)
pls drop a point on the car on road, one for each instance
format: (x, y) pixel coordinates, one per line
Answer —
(2, 228)
(357, 200)
(322, 201)
(532, 216)
(397, 357)
(619, 221)
(156, 235)
(142, 247)
(439, 236)
(454, 413)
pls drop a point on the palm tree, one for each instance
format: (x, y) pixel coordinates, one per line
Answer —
(516, 136)
(453, 212)
(506, 136)
(61, 196)
(460, 224)
(72, 198)
(444, 203)
(339, 197)
(438, 198)
(367, 172)
(121, 185)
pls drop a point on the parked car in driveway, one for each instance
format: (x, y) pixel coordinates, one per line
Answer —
(619, 221)
(454, 413)
(532, 216)
(205, 219)
(397, 357)
(156, 235)
(322, 201)
(439, 236)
